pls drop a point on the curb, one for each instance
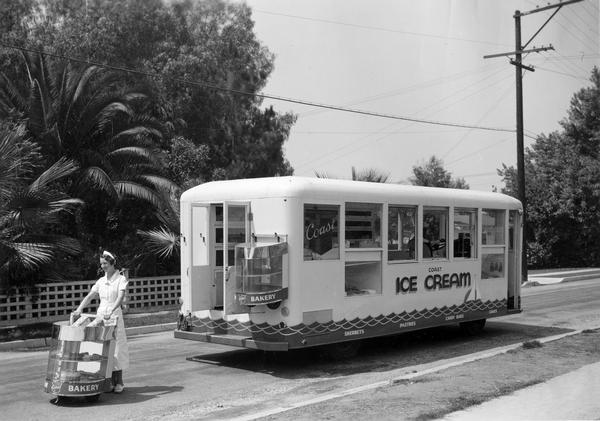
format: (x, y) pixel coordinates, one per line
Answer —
(535, 281)
(38, 344)
(141, 330)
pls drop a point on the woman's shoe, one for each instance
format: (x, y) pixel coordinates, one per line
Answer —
(119, 388)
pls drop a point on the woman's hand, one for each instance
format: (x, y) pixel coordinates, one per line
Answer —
(107, 315)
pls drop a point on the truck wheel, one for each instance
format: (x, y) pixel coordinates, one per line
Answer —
(342, 350)
(473, 327)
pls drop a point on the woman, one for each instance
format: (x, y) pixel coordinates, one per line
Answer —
(111, 289)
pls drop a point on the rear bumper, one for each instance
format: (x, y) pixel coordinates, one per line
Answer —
(231, 340)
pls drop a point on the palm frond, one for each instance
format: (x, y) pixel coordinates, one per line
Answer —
(38, 114)
(33, 255)
(60, 169)
(16, 98)
(136, 133)
(83, 82)
(161, 183)
(134, 96)
(135, 152)
(65, 205)
(15, 162)
(99, 179)
(63, 244)
(129, 188)
(322, 174)
(162, 241)
(108, 113)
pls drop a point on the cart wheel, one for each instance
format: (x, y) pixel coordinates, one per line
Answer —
(58, 400)
(92, 398)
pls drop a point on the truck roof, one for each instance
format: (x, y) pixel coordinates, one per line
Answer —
(335, 190)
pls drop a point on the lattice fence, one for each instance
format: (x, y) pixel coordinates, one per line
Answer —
(56, 300)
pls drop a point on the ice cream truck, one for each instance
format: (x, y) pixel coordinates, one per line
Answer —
(290, 262)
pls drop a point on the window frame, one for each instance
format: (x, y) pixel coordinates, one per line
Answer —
(417, 237)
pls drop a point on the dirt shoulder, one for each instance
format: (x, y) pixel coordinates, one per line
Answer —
(435, 395)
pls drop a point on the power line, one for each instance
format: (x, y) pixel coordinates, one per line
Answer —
(493, 107)
(477, 151)
(585, 33)
(403, 91)
(325, 156)
(561, 73)
(583, 41)
(347, 132)
(375, 28)
(253, 94)
(567, 29)
(582, 56)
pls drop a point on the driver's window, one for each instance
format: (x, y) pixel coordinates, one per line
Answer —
(435, 232)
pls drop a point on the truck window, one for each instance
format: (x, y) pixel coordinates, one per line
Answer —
(321, 232)
(492, 226)
(435, 232)
(465, 233)
(363, 225)
(402, 232)
(493, 243)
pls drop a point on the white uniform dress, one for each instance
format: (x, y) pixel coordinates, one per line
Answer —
(108, 290)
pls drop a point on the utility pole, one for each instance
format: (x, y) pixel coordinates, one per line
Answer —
(519, 66)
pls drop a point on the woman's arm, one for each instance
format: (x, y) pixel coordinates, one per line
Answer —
(84, 303)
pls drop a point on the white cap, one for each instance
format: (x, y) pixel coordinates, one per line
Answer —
(108, 254)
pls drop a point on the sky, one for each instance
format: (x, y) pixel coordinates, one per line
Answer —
(422, 60)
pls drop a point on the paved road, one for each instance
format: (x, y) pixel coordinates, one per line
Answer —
(572, 305)
(162, 384)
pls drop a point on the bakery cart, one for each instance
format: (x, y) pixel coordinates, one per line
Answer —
(81, 358)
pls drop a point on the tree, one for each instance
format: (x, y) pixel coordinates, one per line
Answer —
(31, 207)
(562, 189)
(433, 174)
(210, 44)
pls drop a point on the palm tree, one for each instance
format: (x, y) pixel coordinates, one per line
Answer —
(369, 174)
(90, 115)
(94, 117)
(31, 207)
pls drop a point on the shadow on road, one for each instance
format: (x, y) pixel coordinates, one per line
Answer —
(379, 354)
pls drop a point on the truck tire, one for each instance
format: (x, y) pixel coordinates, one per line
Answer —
(473, 327)
(342, 350)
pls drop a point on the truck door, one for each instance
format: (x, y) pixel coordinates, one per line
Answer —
(514, 259)
(236, 230)
(200, 274)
